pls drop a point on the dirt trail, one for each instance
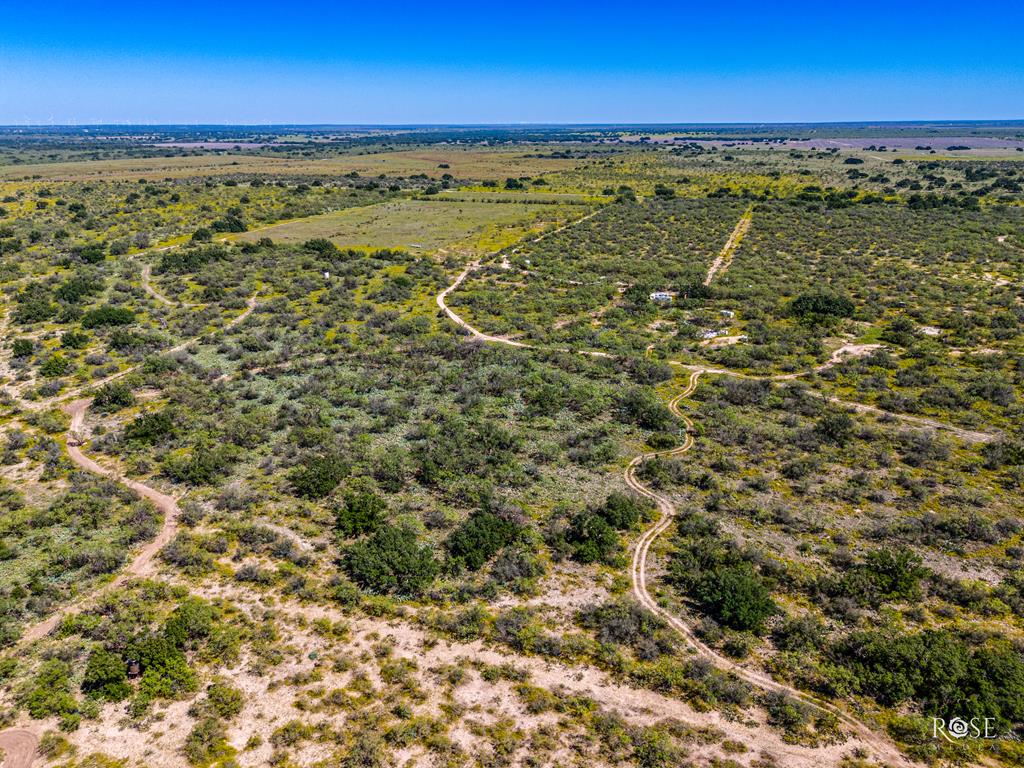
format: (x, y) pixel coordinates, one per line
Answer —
(638, 572)
(475, 265)
(844, 352)
(147, 270)
(18, 748)
(585, 680)
(142, 563)
(724, 258)
(882, 747)
(41, 405)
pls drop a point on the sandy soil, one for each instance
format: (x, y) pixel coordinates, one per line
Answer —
(142, 563)
(724, 258)
(17, 748)
(864, 736)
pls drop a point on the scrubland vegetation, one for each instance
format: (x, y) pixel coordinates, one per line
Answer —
(395, 544)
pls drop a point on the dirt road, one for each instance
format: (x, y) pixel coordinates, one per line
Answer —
(865, 736)
(18, 748)
(142, 563)
(724, 258)
(879, 744)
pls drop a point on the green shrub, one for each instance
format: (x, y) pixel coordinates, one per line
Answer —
(391, 561)
(150, 427)
(78, 287)
(202, 465)
(190, 623)
(49, 694)
(90, 253)
(165, 670)
(207, 742)
(318, 475)
(362, 512)
(820, 307)
(478, 538)
(106, 316)
(22, 348)
(105, 676)
(623, 622)
(55, 365)
(591, 539)
(225, 700)
(34, 304)
(939, 670)
(74, 340)
(836, 427)
(736, 596)
(623, 511)
(641, 407)
(113, 396)
(182, 260)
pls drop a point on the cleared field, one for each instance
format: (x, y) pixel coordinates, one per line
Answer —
(419, 225)
(461, 164)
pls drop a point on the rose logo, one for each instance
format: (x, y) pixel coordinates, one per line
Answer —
(957, 727)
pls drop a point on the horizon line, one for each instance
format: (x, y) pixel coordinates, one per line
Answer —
(609, 124)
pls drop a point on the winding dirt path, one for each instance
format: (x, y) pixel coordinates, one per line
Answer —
(142, 563)
(40, 405)
(882, 747)
(724, 258)
(19, 748)
(843, 353)
(147, 271)
(505, 264)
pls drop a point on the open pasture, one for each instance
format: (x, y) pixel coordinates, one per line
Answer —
(460, 163)
(417, 225)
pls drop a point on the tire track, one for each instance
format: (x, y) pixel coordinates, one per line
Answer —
(18, 748)
(883, 748)
(724, 258)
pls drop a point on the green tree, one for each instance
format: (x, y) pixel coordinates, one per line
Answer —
(318, 475)
(391, 561)
(479, 538)
(736, 596)
(105, 676)
(362, 512)
(591, 538)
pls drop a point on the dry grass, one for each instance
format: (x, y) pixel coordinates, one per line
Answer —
(463, 163)
(417, 225)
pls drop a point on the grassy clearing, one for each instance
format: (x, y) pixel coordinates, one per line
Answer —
(417, 225)
(435, 163)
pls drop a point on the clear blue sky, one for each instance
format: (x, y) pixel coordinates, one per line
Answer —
(508, 62)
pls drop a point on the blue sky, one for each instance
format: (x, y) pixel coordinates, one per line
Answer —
(491, 62)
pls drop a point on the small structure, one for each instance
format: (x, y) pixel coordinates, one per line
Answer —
(327, 275)
(728, 313)
(662, 297)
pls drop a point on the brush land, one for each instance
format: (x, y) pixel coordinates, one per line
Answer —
(579, 446)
